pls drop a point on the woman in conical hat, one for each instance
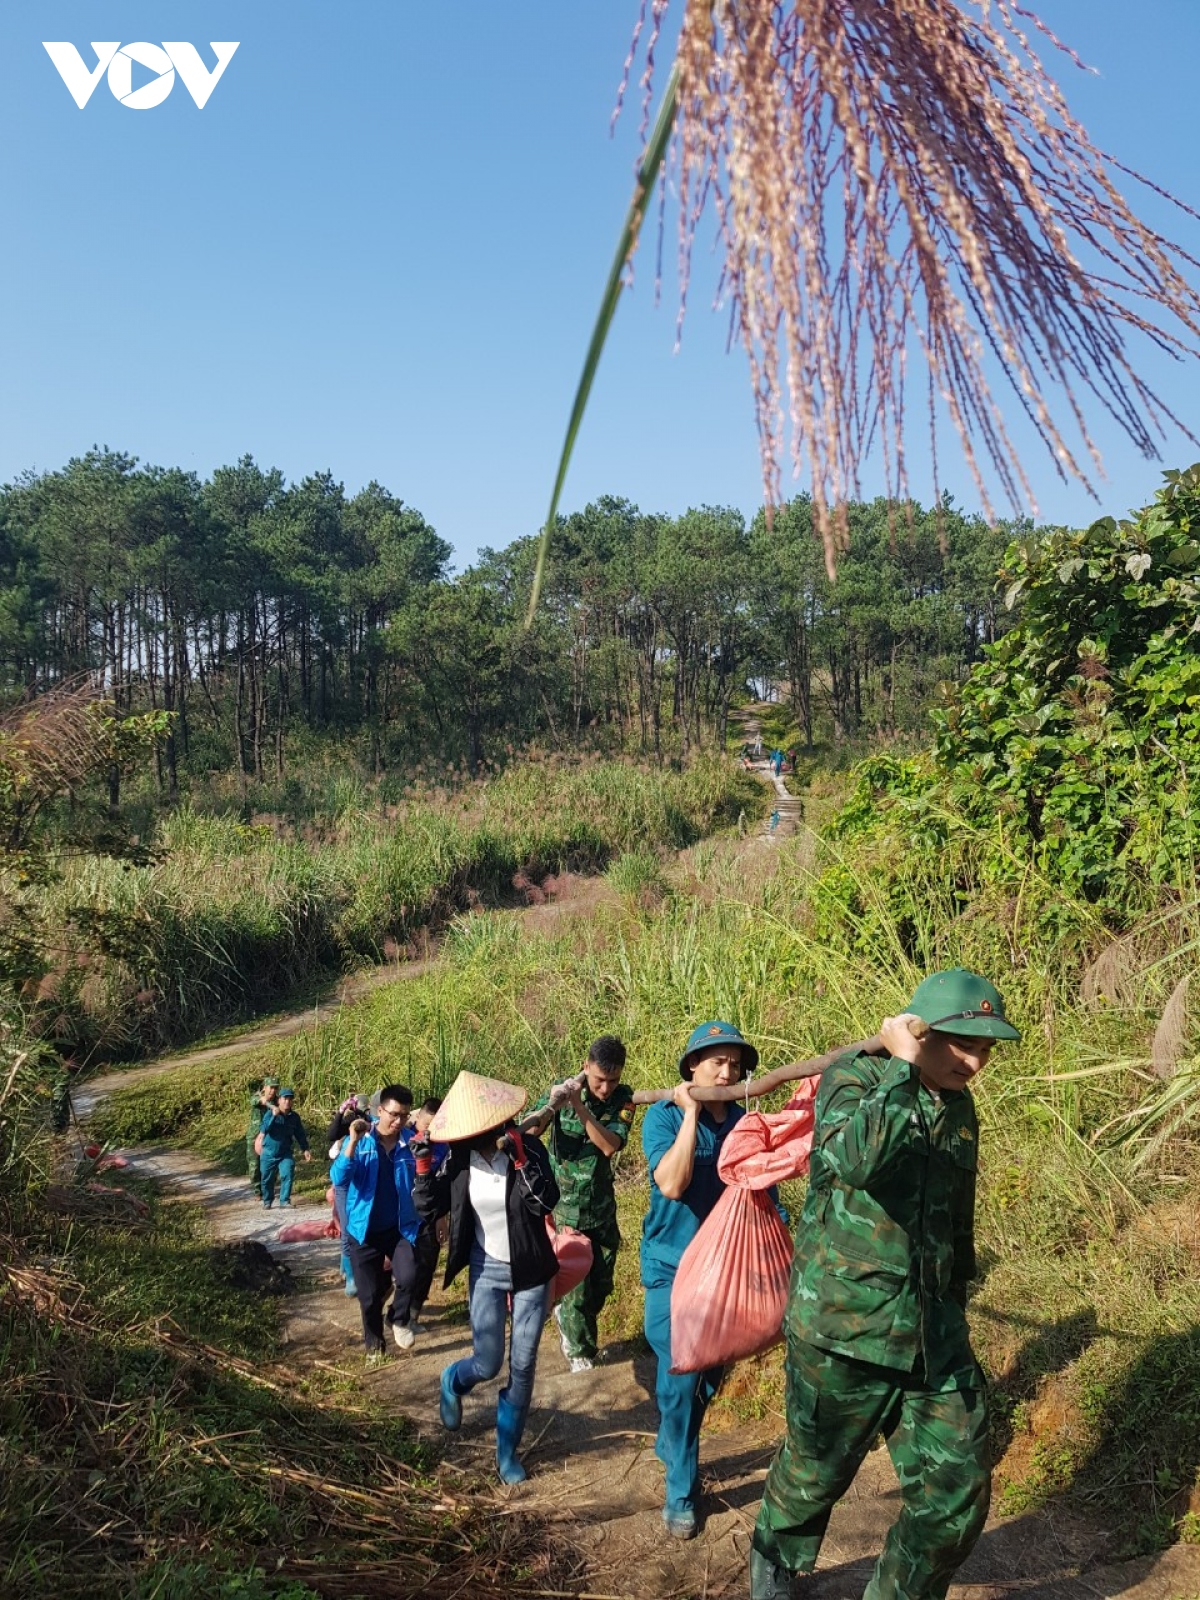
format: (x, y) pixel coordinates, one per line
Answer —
(498, 1189)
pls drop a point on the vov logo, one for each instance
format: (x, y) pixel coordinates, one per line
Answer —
(163, 60)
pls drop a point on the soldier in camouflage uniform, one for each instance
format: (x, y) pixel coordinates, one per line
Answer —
(876, 1328)
(268, 1095)
(589, 1120)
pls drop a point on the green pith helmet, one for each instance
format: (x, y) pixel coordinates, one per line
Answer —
(270, 1083)
(962, 1002)
(709, 1033)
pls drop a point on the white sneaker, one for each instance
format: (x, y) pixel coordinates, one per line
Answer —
(403, 1336)
(564, 1343)
(582, 1364)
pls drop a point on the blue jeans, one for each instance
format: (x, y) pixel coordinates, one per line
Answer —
(339, 1211)
(490, 1287)
(682, 1398)
(271, 1163)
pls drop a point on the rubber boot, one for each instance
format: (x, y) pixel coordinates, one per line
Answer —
(767, 1581)
(450, 1401)
(348, 1274)
(510, 1425)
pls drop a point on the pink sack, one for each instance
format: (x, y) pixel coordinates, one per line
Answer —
(293, 1232)
(769, 1147)
(574, 1252)
(730, 1291)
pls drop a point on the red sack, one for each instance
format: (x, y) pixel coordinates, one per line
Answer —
(574, 1252)
(730, 1291)
(293, 1232)
(767, 1147)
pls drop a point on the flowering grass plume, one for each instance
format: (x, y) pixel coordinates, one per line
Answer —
(900, 176)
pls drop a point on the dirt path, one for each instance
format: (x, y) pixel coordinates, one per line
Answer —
(589, 1449)
(787, 811)
(589, 1441)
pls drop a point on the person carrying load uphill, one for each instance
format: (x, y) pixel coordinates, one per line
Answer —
(498, 1189)
(876, 1328)
(682, 1140)
(260, 1099)
(376, 1169)
(589, 1118)
(281, 1130)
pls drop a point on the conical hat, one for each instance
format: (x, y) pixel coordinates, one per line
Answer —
(473, 1104)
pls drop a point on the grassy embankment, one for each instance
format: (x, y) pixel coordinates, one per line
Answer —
(1087, 1314)
(234, 919)
(153, 1441)
(155, 1445)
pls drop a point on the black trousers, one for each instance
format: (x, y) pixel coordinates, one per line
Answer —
(427, 1251)
(373, 1281)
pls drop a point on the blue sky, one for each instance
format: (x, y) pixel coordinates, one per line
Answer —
(380, 246)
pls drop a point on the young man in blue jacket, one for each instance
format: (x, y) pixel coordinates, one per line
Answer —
(376, 1169)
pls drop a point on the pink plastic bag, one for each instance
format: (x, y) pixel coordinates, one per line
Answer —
(730, 1291)
(293, 1232)
(769, 1147)
(574, 1252)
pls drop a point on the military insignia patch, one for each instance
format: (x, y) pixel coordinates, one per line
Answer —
(625, 1114)
(986, 1007)
(965, 1133)
(716, 1028)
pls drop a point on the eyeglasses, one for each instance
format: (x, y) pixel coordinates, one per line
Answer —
(396, 1116)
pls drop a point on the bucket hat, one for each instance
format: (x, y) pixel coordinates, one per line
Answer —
(709, 1033)
(473, 1104)
(958, 1001)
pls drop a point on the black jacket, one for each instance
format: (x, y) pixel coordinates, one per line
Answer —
(531, 1194)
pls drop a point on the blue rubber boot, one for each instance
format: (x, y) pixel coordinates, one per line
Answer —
(450, 1402)
(510, 1425)
(348, 1274)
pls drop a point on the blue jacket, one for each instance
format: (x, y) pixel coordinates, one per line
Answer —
(359, 1174)
(280, 1128)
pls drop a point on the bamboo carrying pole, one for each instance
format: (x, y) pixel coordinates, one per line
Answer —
(772, 1080)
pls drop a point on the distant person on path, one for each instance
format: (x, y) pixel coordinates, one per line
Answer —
(350, 1110)
(498, 1189)
(589, 1118)
(876, 1326)
(758, 747)
(777, 762)
(428, 1246)
(281, 1130)
(682, 1140)
(260, 1099)
(376, 1169)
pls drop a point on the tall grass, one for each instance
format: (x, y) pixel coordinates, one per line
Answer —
(232, 917)
(1089, 1178)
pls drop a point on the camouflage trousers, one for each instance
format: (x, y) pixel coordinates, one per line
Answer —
(253, 1163)
(939, 1447)
(578, 1310)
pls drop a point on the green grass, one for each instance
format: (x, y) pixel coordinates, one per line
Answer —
(156, 1442)
(231, 918)
(1086, 1316)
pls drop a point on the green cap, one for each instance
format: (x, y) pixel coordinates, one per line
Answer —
(959, 1001)
(270, 1083)
(709, 1033)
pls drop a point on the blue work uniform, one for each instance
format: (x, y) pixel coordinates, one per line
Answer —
(669, 1228)
(280, 1131)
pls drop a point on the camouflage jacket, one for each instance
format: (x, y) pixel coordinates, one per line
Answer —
(582, 1171)
(885, 1247)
